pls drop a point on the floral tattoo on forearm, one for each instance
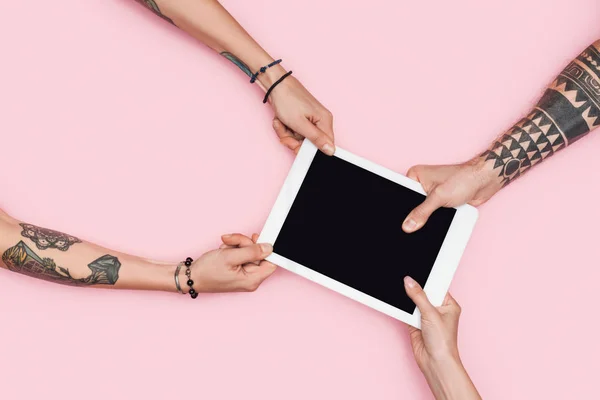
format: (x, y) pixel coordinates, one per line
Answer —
(568, 110)
(47, 238)
(22, 259)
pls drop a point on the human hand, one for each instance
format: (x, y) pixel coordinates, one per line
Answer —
(435, 346)
(437, 339)
(299, 115)
(237, 266)
(471, 183)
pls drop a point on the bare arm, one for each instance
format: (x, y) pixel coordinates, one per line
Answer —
(435, 346)
(298, 114)
(210, 23)
(61, 258)
(568, 110)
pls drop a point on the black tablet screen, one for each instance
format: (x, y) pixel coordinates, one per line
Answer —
(346, 223)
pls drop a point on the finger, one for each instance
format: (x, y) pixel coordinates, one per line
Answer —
(256, 275)
(446, 300)
(418, 296)
(451, 304)
(236, 239)
(255, 240)
(265, 270)
(415, 335)
(431, 174)
(282, 130)
(287, 137)
(420, 214)
(413, 173)
(291, 143)
(412, 330)
(245, 255)
(317, 136)
(262, 271)
(326, 125)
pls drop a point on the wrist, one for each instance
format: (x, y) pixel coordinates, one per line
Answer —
(485, 176)
(271, 75)
(441, 374)
(167, 272)
(441, 364)
(144, 274)
(483, 170)
(449, 380)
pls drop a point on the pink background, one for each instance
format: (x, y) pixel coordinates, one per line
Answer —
(118, 128)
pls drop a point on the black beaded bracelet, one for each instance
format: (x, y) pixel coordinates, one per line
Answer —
(188, 272)
(277, 82)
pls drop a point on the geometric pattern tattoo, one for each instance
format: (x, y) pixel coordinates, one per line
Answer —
(237, 62)
(20, 258)
(47, 238)
(568, 110)
(151, 4)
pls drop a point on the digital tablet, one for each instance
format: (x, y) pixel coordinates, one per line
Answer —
(338, 222)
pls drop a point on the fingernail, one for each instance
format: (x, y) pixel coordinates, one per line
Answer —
(227, 236)
(409, 282)
(328, 149)
(266, 248)
(410, 224)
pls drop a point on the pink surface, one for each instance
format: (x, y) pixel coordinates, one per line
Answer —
(121, 130)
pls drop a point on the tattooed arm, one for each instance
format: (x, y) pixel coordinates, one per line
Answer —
(60, 258)
(568, 110)
(297, 113)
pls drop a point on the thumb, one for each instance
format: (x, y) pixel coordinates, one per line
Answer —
(418, 296)
(245, 255)
(420, 214)
(317, 136)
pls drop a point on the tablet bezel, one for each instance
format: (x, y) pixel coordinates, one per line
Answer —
(445, 264)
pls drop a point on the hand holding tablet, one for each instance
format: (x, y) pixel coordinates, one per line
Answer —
(337, 221)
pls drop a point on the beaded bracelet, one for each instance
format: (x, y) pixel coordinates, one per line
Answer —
(263, 69)
(188, 272)
(277, 82)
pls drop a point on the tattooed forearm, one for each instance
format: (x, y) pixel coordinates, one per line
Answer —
(237, 62)
(151, 4)
(20, 258)
(47, 238)
(568, 110)
(105, 271)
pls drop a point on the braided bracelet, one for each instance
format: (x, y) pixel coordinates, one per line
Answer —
(277, 82)
(188, 272)
(263, 69)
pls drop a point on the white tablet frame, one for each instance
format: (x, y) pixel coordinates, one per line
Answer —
(445, 264)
